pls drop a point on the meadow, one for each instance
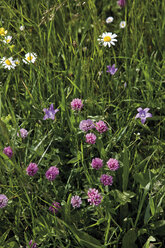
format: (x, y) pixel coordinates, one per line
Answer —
(82, 123)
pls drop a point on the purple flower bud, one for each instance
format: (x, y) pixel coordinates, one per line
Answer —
(8, 152)
(86, 125)
(23, 132)
(3, 201)
(55, 207)
(106, 179)
(121, 3)
(101, 126)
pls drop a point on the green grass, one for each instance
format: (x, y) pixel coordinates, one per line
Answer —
(64, 36)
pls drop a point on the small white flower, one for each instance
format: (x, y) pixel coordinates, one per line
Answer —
(7, 39)
(107, 39)
(22, 28)
(109, 19)
(30, 58)
(8, 63)
(17, 61)
(122, 24)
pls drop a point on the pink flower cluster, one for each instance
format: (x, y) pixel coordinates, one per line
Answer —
(94, 197)
(76, 104)
(101, 126)
(106, 179)
(113, 164)
(32, 169)
(23, 132)
(76, 201)
(97, 163)
(90, 138)
(51, 173)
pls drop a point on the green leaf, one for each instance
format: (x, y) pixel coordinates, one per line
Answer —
(4, 236)
(129, 239)
(142, 178)
(150, 239)
(122, 197)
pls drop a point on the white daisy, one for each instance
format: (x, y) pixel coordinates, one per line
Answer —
(109, 19)
(22, 28)
(122, 24)
(17, 61)
(107, 39)
(7, 39)
(30, 58)
(8, 63)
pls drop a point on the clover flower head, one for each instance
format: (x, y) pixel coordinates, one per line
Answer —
(111, 69)
(50, 113)
(113, 164)
(109, 19)
(76, 201)
(101, 126)
(23, 132)
(30, 58)
(143, 114)
(90, 138)
(76, 104)
(32, 169)
(97, 163)
(94, 197)
(86, 125)
(106, 179)
(55, 207)
(107, 39)
(52, 173)
(8, 151)
(3, 200)
(121, 3)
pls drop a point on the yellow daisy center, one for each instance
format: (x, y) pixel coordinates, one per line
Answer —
(8, 41)
(29, 58)
(17, 62)
(8, 62)
(107, 38)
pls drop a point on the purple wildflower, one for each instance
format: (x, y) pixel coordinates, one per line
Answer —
(32, 169)
(86, 125)
(111, 69)
(51, 173)
(143, 114)
(23, 132)
(106, 179)
(8, 152)
(50, 113)
(76, 201)
(76, 104)
(32, 245)
(3, 201)
(90, 138)
(101, 126)
(113, 164)
(55, 207)
(97, 163)
(121, 3)
(94, 197)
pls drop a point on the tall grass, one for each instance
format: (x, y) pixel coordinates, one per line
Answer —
(72, 64)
